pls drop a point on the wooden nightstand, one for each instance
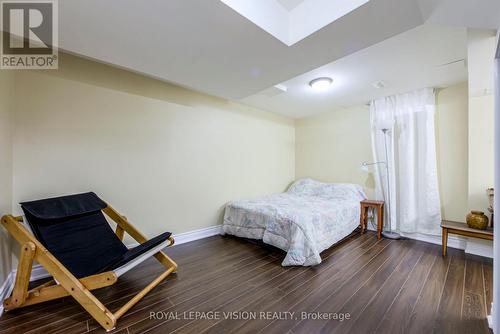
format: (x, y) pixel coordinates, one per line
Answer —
(379, 207)
(462, 229)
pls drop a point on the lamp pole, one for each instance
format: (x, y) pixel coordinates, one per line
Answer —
(388, 234)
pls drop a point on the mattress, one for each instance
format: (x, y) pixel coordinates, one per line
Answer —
(307, 219)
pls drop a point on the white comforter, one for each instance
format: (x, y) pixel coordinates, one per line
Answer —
(307, 219)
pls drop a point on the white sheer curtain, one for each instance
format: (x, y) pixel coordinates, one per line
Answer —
(411, 147)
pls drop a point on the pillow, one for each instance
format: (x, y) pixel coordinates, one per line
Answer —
(304, 187)
(327, 191)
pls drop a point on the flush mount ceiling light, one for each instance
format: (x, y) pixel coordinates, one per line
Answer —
(379, 84)
(321, 84)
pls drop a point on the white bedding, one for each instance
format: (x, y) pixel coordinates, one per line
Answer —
(307, 219)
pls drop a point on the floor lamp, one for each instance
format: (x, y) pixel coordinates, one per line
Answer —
(364, 166)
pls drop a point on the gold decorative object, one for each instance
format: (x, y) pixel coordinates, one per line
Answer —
(477, 220)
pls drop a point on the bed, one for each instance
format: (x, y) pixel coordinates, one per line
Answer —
(305, 220)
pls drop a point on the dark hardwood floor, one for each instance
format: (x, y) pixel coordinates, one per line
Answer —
(384, 286)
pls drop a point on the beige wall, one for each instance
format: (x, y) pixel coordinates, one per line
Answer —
(481, 53)
(331, 147)
(6, 105)
(481, 157)
(452, 150)
(166, 157)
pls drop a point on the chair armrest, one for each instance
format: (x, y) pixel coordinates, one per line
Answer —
(138, 236)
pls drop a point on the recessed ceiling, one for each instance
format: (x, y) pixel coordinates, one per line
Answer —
(427, 56)
(208, 47)
(290, 4)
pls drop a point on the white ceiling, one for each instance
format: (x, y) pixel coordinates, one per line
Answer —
(411, 60)
(208, 47)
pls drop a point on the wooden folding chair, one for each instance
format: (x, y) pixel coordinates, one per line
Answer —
(72, 239)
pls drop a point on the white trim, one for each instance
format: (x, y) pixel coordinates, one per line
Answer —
(490, 317)
(453, 240)
(202, 233)
(39, 272)
(6, 289)
(182, 238)
(480, 247)
(469, 245)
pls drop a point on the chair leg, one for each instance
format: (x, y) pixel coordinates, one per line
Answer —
(48, 291)
(67, 280)
(165, 259)
(141, 294)
(20, 292)
(79, 289)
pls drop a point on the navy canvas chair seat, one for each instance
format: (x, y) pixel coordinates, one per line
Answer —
(75, 231)
(73, 240)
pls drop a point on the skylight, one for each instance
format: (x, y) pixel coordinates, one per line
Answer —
(303, 19)
(290, 4)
